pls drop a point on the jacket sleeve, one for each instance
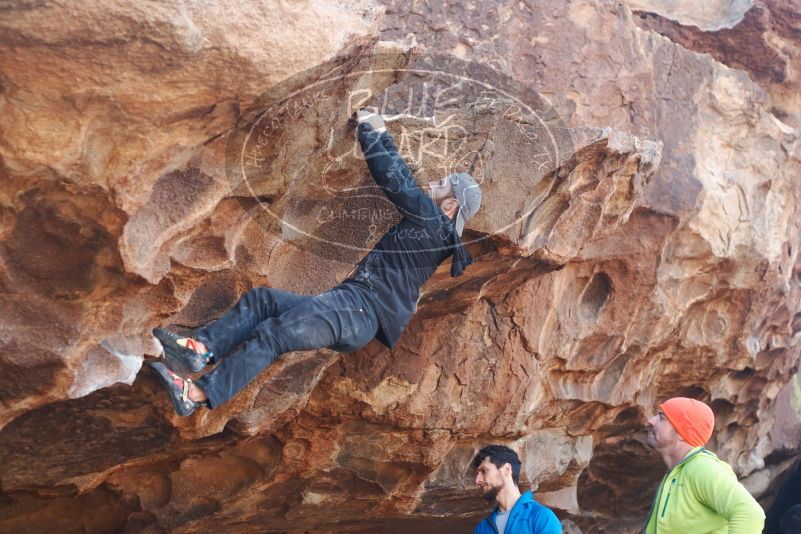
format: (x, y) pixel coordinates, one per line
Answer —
(547, 523)
(716, 486)
(395, 178)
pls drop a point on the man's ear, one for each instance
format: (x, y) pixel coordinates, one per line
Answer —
(507, 469)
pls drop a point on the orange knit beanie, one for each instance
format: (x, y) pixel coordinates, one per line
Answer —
(692, 419)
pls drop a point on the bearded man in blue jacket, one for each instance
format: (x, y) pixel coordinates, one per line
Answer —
(497, 472)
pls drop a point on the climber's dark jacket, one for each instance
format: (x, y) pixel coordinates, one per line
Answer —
(409, 253)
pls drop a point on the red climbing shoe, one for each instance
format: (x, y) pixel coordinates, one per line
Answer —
(183, 352)
(177, 388)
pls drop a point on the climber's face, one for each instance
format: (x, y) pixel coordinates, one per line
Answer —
(440, 190)
(449, 207)
(490, 479)
(441, 193)
(661, 434)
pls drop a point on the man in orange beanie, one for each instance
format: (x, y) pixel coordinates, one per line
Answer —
(700, 493)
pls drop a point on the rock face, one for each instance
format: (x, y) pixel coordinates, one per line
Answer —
(708, 17)
(110, 117)
(639, 238)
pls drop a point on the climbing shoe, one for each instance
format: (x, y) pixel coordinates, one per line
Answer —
(183, 351)
(177, 388)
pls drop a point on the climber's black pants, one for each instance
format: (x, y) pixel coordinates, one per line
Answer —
(266, 323)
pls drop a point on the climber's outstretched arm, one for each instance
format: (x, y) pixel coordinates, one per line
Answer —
(395, 178)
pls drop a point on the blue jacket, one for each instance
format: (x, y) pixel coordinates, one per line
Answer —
(527, 517)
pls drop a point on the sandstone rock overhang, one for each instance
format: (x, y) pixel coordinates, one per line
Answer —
(637, 265)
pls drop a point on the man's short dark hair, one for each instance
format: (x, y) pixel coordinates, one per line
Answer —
(499, 455)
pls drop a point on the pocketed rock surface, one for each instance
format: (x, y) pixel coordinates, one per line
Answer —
(158, 161)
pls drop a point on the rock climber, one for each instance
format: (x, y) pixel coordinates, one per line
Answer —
(497, 472)
(700, 493)
(376, 301)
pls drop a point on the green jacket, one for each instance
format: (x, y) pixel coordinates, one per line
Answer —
(701, 495)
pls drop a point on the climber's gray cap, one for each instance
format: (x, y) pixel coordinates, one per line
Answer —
(467, 192)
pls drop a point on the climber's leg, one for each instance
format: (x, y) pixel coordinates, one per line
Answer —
(342, 318)
(215, 340)
(235, 326)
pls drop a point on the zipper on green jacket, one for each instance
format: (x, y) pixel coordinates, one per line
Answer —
(655, 503)
(672, 482)
(654, 511)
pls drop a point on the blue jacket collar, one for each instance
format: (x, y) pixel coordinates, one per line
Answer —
(526, 498)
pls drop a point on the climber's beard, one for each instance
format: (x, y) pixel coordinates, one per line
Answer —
(491, 492)
(650, 438)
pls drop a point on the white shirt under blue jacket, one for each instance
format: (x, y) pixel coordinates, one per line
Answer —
(527, 517)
